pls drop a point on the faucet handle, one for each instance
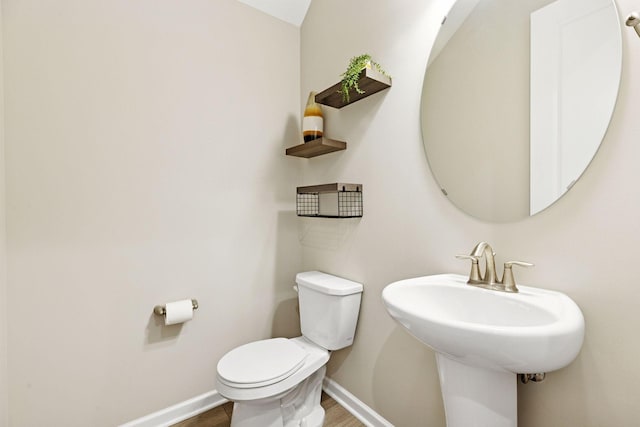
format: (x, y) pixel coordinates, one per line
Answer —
(508, 281)
(474, 274)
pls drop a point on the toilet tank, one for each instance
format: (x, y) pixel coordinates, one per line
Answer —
(329, 307)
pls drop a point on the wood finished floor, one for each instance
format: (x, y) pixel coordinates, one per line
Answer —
(335, 416)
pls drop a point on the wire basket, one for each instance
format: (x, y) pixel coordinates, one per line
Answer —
(336, 200)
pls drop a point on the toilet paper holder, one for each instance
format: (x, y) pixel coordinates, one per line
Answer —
(161, 310)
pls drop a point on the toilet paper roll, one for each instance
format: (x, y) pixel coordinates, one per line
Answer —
(178, 312)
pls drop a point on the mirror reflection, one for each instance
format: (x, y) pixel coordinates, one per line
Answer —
(517, 97)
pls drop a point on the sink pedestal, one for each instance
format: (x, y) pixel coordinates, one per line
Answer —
(477, 397)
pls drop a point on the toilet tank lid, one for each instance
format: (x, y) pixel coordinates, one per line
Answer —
(327, 283)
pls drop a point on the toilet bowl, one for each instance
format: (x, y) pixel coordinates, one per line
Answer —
(278, 382)
(287, 374)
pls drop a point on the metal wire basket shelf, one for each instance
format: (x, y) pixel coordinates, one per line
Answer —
(336, 200)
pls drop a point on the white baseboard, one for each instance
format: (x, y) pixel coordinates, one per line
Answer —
(199, 404)
(179, 412)
(356, 407)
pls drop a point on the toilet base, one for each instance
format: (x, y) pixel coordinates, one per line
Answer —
(297, 406)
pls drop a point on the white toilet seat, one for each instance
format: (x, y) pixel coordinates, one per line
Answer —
(314, 358)
(260, 363)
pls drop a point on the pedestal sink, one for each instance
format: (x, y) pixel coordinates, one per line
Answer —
(483, 338)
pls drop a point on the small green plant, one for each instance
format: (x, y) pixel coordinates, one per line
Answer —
(350, 76)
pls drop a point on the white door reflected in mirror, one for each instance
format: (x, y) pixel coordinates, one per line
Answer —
(571, 48)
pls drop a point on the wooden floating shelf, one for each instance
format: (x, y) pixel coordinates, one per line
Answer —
(370, 81)
(317, 147)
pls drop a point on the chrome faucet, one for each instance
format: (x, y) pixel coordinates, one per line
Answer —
(490, 279)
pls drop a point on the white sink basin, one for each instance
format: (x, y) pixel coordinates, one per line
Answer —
(532, 331)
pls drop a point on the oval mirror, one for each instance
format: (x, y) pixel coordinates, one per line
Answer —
(517, 97)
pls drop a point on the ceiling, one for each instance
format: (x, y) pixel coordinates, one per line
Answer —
(291, 11)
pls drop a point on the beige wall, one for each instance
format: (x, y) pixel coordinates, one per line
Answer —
(4, 410)
(585, 245)
(145, 163)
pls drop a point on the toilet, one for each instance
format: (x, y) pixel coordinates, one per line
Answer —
(278, 382)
